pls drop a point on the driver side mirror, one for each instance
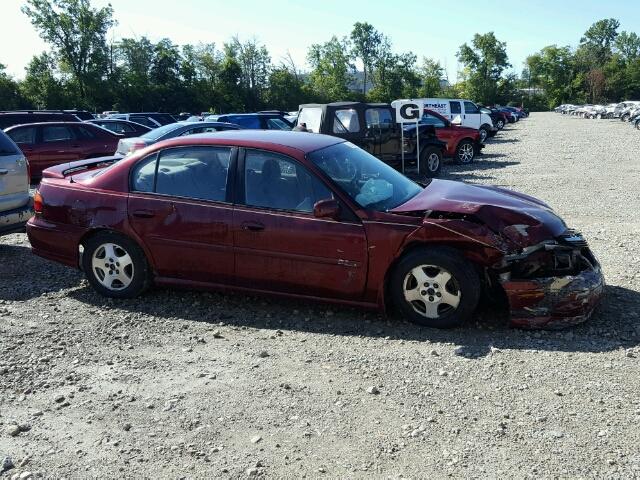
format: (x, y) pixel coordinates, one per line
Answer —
(329, 208)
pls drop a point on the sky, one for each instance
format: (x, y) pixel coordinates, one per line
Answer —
(434, 29)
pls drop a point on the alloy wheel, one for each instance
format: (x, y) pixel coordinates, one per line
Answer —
(465, 155)
(433, 162)
(112, 266)
(431, 291)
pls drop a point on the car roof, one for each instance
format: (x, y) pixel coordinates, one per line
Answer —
(45, 124)
(303, 141)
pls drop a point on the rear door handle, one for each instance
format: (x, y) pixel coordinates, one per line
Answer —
(3, 171)
(143, 214)
(253, 226)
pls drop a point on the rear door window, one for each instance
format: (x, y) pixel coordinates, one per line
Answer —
(346, 121)
(56, 133)
(25, 135)
(378, 118)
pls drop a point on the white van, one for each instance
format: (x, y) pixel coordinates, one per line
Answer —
(462, 112)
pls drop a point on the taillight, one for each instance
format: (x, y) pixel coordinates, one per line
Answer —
(136, 146)
(38, 202)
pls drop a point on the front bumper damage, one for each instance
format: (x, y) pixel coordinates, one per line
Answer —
(558, 300)
(554, 302)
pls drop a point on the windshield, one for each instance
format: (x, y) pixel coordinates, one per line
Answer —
(156, 133)
(371, 183)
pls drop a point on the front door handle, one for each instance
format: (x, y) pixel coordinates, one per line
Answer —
(143, 214)
(253, 226)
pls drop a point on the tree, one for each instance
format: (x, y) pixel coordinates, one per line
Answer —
(484, 62)
(431, 74)
(9, 94)
(41, 86)
(628, 45)
(366, 41)
(551, 69)
(77, 34)
(332, 69)
(285, 91)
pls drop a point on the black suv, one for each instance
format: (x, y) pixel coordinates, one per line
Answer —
(9, 119)
(373, 127)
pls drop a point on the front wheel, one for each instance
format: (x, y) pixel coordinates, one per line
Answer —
(430, 162)
(115, 266)
(435, 287)
(500, 124)
(484, 133)
(465, 153)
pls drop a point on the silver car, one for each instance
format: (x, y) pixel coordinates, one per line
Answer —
(15, 203)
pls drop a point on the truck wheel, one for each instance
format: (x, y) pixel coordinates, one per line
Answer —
(435, 287)
(484, 133)
(465, 153)
(430, 162)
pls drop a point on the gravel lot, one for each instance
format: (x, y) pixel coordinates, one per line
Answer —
(186, 384)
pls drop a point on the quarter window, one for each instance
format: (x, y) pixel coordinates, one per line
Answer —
(144, 175)
(346, 121)
(273, 181)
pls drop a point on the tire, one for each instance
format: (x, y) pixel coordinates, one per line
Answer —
(441, 271)
(638, 124)
(430, 162)
(110, 277)
(484, 133)
(625, 117)
(500, 124)
(465, 152)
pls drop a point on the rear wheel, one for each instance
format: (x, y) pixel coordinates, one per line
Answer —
(435, 287)
(430, 162)
(465, 153)
(500, 124)
(115, 266)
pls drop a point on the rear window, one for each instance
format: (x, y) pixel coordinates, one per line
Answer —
(7, 147)
(311, 117)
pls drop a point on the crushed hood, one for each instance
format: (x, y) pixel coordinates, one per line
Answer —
(523, 219)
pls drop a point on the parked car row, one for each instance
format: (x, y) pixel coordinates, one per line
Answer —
(628, 111)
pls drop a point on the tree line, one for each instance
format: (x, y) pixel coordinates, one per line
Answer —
(83, 69)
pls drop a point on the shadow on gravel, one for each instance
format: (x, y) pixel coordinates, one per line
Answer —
(24, 275)
(502, 140)
(615, 326)
(483, 164)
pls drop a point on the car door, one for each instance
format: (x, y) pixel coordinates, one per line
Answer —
(180, 207)
(381, 134)
(280, 245)
(58, 145)
(472, 117)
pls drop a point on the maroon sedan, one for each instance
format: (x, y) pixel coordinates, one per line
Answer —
(310, 216)
(53, 143)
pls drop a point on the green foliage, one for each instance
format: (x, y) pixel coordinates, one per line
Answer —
(332, 69)
(10, 97)
(366, 44)
(484, 62)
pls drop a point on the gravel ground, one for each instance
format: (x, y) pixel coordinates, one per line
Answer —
(186, 384)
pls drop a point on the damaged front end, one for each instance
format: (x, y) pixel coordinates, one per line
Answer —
(553, 284)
